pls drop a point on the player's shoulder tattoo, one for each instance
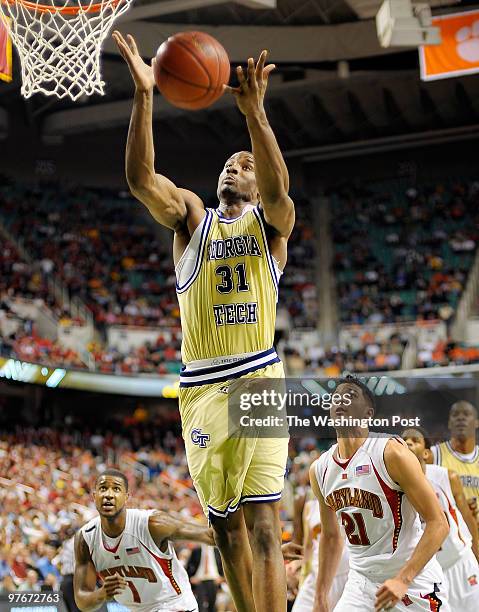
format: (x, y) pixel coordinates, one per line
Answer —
(82, 552)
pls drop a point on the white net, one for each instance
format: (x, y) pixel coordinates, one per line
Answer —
(59, 43)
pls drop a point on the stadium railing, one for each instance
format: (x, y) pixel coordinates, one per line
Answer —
(166, 386)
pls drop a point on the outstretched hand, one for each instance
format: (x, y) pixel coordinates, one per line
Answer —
(141, 72)
(252, 88)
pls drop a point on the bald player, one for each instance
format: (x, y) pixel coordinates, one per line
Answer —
(461, 453)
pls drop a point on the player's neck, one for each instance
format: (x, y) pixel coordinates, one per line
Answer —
(348, 445)
(113, 527)
(465, 446)
(230, 210)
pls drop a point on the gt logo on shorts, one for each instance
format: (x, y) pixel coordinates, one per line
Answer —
(198, 438)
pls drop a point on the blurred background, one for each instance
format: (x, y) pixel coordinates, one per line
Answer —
(382, 275)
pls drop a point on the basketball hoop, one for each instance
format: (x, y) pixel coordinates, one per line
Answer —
(59, 43)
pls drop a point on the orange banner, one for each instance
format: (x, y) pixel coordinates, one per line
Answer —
(5, 52)
(458, 53)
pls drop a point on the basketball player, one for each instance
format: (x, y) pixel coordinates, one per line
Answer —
(312, 528)
(131, 551)
(456, 556)
(228, 264)
(461, 453)
(375, 488)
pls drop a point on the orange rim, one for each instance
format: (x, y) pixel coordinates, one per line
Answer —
(64, 10)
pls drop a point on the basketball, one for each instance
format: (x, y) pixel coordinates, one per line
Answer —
(191, 69)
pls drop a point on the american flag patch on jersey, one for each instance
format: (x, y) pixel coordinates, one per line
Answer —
(362, 470)
(132, 551)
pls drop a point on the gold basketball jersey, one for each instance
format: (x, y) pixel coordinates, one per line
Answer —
(227, 286)
(467, 467)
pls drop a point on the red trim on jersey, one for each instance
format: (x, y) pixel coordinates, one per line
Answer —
(167, 568)
(394, 499)
(435, 603)
(453, 513)
(111, 550)
(344, 464)
(324, 476)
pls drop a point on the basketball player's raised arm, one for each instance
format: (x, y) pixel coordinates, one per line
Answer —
(271, 172)
(405, 470)
(461, 502)
(166, 527)
(87, 596)
(330, 547)
(167, 203)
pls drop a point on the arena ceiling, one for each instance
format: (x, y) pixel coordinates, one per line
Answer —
(333, 84)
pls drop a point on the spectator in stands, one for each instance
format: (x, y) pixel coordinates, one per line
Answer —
(417, 265)
(399, 256)
(113, 258)
(31, 582)
(66, 561)
(7, 585)
(43, 561)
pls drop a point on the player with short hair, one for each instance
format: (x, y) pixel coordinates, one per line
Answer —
(132, 551)
(228, 263)
(461, 452)
(459, 552)
(373, 486)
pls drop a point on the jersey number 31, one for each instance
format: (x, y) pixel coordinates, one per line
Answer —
(227, 283)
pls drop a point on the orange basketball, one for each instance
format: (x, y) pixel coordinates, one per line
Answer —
(191, 69)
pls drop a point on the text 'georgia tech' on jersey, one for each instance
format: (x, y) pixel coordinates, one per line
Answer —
(466, 466)
(156, 580)
(227, 286)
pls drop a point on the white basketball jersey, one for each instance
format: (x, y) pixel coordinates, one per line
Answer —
(156, 579)
(459, 538)
(313, 518)
(381, 526)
